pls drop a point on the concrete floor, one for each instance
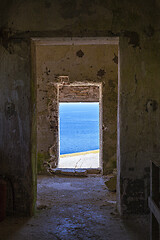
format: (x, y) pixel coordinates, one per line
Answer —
(70, 208)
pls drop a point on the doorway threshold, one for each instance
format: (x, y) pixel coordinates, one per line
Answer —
(82, 172)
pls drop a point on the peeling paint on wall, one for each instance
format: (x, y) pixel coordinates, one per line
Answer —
(80, 53)
(10, 110)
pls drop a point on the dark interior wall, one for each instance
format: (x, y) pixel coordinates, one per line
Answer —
(15, 123)
(137, 24)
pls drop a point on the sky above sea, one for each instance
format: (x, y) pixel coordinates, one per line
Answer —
(79, 127)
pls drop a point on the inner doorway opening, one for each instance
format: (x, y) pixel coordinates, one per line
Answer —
(79, 135)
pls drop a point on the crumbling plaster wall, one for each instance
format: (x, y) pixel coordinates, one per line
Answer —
(83, 93)
(95, 66)
(137, 25)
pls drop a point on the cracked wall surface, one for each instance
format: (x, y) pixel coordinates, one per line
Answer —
(137, 26)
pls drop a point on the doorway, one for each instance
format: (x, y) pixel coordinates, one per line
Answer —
(79, 135)
(55, 58)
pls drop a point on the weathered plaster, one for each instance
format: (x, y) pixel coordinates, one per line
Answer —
(69, 93)
(95, 67)
(137, 25)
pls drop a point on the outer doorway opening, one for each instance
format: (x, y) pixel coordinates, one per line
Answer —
(97, 67)
(79, 135)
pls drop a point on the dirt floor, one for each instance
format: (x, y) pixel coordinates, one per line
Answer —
(71, 208)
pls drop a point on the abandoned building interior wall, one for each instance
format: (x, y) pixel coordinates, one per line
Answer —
(137, 26)
(79, 93)
(95, 65)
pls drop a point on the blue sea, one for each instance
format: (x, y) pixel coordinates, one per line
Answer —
(79, 127)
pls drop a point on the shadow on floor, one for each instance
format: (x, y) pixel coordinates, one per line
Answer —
(75, 208)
